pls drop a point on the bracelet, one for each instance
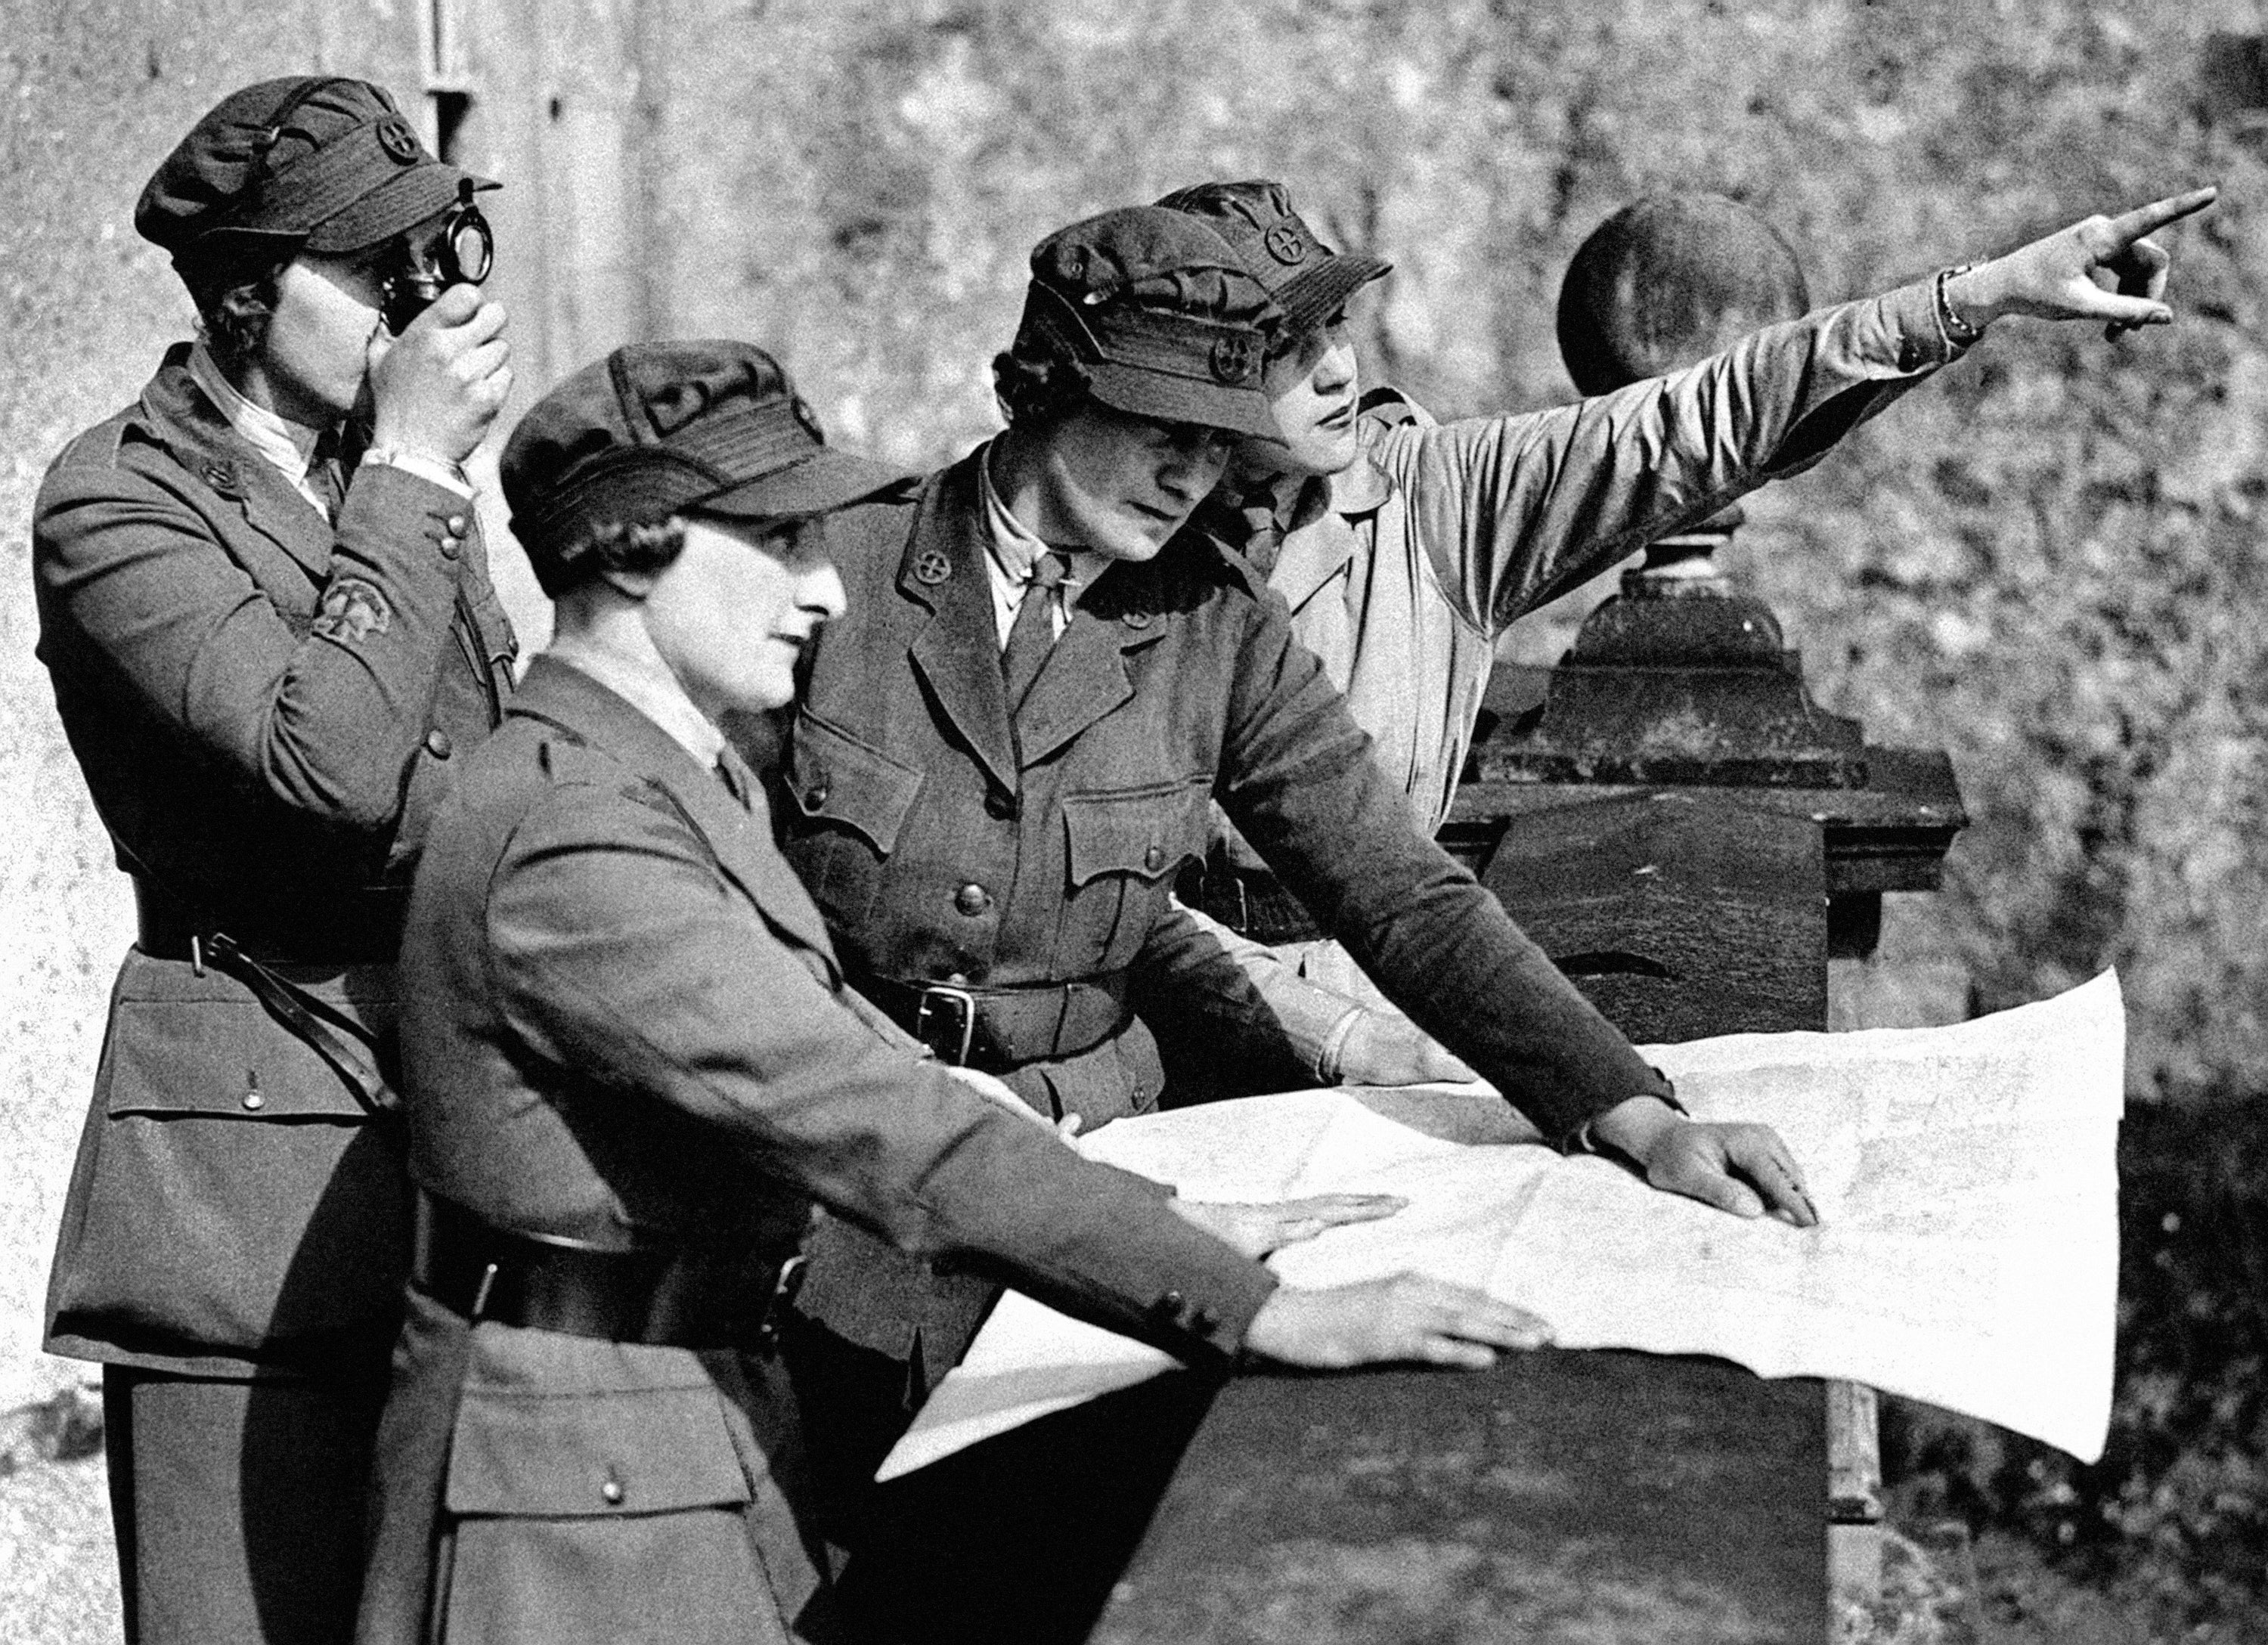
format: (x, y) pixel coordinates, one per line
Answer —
(1331, 1056)
(1958, 333)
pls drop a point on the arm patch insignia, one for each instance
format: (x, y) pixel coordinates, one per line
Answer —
(352, 611)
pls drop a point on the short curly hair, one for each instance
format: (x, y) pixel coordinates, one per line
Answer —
(612, 545)
(232, 314)
(1036, 390)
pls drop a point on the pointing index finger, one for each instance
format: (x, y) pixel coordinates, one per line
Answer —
(2130, 227)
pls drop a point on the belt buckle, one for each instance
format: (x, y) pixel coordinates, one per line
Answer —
(935, 999)
(785, 1285)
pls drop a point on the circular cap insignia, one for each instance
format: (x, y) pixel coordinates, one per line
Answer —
(398, 140)
(1286, 244)
(1234, 357)
(931, 567)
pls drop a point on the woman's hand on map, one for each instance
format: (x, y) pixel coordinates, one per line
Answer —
(1744, 1169)
(1258, 1228)
(1408, 1316)
(1385, 1048)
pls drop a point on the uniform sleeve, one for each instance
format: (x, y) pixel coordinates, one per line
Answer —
(1193, 969)
(1300, 780)
(1514, 510)
(135, 588)
(620, 950)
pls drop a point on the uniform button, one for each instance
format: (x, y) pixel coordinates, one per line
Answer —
(972, 899)
(815, 796)
(1002, 805)
(1169, 1306)
(456, 525)
(438, 743)
(1204, 1322)
(612, 1490)
(450, 546)
(253, 1101)
(1154, 859)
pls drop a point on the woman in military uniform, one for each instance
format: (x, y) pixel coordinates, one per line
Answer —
(268, 619)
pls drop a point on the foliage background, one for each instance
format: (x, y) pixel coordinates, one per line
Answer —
(2047, 563)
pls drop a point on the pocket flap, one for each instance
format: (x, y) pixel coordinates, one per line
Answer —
(572, 1456)
(832, 775)
(1141, 831)
(223, 1058)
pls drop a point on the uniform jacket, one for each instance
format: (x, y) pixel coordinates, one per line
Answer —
(942, 841)
(1405, 571)
(265, 708)
(623, 1022)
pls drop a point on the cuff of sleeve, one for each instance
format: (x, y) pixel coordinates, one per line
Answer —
(1581, 1141)
(1922, 343)
(448, 475)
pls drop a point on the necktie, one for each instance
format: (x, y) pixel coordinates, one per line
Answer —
(326, 476)
(1032, 635)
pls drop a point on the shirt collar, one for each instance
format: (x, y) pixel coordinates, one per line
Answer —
(1014, 548)
(659, 697)
(286, 446)
(1362, 487)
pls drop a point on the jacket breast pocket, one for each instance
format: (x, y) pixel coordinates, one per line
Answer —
(846, 803)
(231, 1192)
(1122, 847)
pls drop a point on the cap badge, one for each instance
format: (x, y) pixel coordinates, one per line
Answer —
(1234, 355)
(931, 567)
(1286, 244)
(398, 140)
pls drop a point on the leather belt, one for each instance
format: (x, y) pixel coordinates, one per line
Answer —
(371, 935)
(165, 931)
(1251, 902)
(996, 1029)
(671, 1296)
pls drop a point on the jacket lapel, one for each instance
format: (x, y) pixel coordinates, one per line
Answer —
(957, 652)
(1085, 676)
(201, 442)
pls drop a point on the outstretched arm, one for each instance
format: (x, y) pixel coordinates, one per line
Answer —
(2101, 267)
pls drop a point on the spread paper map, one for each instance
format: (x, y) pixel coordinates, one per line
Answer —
(1968, 1251)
